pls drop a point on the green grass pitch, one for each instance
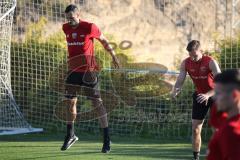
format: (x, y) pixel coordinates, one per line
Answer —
(47, 146)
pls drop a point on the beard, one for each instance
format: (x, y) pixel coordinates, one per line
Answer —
(73, 23)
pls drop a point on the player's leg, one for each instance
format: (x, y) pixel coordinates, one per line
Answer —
(101, 112)
(71, 111)
(199, 112)
(93, 93)
(196, 137)
(103, 121)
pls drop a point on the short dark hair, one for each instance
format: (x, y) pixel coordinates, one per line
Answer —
(193, 45)
(230, 76)
(71, 8)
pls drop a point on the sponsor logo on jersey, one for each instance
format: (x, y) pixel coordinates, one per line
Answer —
(203, 69)
(75, 43)
(192, 70)
(199, 77)
(74, 35)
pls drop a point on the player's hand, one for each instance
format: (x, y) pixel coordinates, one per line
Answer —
(115, 62)
(203, 98)
(175, 92)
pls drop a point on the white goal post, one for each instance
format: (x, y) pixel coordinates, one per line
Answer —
(12, 120)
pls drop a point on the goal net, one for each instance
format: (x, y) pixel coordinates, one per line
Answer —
(149, 37)
(12, 120)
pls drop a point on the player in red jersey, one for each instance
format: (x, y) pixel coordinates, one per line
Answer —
(83, 71)
(225, 143)
(201, 69)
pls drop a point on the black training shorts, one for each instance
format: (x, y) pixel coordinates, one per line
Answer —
(88, 81)
(200, 110)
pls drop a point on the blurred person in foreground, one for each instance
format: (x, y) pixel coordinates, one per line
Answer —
(225, 143)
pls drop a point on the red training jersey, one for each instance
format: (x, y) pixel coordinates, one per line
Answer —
(80, 44)
(225, 143)
(217, 119)
(200, 73)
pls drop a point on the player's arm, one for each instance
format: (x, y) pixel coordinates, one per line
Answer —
(180, 80)
(110, 50)
(214, 67)
(96, 33)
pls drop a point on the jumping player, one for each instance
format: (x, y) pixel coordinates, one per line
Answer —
(83, 70)
(225, 143)
(201, 69)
